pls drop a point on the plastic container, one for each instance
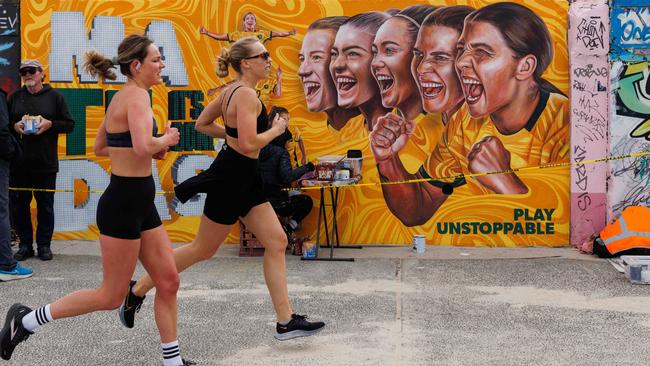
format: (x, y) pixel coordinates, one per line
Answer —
(30, 124)
(637, 268)
(354, 164)
(309, 249)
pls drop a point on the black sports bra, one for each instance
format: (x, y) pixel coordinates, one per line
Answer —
(262, 119)
(123, 139)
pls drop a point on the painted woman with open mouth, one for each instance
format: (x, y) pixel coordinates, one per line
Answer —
(434, 73)
(350, 66)
(391, 67)
(318, 86)
(513, 118)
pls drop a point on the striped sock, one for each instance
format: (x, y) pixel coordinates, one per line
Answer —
(171, 354)
(37, 318)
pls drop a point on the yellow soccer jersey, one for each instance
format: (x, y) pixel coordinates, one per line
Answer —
(262, 35)
(427, 130)
(544, 140)
(264, 89)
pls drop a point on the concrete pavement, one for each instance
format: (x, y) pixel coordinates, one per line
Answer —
(448, 306)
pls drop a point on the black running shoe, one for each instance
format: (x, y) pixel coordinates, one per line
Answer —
(297, 327)
(13, 331)
(130, 306)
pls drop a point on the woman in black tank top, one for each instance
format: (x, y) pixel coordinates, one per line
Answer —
(233, 185)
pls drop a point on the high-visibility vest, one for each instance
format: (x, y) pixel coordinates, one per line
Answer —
(628, 234)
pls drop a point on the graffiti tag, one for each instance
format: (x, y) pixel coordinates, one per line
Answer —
(589, 71)
(591, 33)
(635, 26)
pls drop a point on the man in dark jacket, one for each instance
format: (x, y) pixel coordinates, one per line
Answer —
(277, 174)
(39, 103)
(9, 268)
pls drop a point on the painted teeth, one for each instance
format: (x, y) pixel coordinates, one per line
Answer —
(431, 85)
(345, 80)
(384, 77)
(472, 99)
(310, 84)
(471, 81)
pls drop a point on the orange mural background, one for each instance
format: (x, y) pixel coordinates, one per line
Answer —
(362, 216)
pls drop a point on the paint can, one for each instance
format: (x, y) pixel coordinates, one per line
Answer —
(419, 243)
(309, 249)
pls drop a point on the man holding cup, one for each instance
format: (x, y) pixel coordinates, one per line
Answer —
(38, 114)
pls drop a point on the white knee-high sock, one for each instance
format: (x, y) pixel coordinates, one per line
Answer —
(37, 318)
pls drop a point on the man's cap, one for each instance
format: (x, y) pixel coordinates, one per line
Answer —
(30, 63)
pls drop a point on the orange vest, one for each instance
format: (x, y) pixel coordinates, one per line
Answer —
(630, 232)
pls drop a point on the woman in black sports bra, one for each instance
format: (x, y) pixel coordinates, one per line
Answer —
(234, 187)
(128, 222)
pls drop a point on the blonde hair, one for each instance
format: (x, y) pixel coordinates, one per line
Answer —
(234, 56)
(132, 48)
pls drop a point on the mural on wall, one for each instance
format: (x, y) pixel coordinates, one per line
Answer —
(630, 178)
(630, 30)
(419, 97)
(589, 45)
(630, 104)
(9, 47)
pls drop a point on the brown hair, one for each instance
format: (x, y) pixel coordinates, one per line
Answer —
(132, 48)
(524, 32)
(414, 16)
(368, 22)
(234, 56)
(449, 16)
(328, 23)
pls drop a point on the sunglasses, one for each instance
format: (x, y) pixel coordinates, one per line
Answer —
(28, 70)
(264, 55)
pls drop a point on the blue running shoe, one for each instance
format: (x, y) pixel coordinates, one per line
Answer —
(19, 272)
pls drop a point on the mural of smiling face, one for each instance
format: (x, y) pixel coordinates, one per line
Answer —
(486, 67)
(392, 49)
(434, 68)
(318, 86)
(249, 22)
(350, 67)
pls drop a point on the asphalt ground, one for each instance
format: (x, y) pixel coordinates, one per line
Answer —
(448, 306)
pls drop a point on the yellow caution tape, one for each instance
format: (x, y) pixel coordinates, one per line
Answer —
(409, 181)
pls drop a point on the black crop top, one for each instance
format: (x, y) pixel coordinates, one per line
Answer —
(262, 119)
(123, 139)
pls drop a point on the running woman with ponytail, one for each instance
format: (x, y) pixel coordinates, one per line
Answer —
(234, 187)
(129, 225)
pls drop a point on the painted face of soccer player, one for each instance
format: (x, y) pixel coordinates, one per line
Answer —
(434, 68)
(319, 88)
(249, 22)
(350, 67)
(486, 67)
(392, 49)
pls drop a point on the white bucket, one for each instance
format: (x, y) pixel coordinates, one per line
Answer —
(419, 243)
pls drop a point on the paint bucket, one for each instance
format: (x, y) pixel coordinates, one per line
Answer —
(309, 249)
(419, 243)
